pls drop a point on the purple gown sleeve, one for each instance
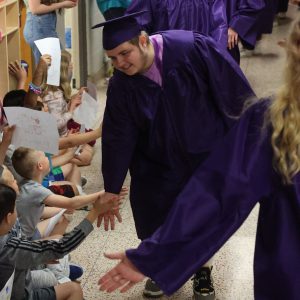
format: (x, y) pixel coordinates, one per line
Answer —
(219, 26)
(211, 207)
(119, 137)
(245, 19)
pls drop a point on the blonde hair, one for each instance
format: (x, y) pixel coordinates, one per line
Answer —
(24, 161)
(284, 113)
(64, 85)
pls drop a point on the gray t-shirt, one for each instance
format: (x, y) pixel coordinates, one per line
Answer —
(22, 255)
(30, 205)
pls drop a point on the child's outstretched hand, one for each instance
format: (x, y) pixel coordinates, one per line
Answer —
(19, 72)
(103, 205)
(8, 132)
(108, 218)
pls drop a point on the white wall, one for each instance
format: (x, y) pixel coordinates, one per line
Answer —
(94, 39)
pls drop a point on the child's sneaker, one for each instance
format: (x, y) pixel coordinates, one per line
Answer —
(152, 290)
(203, 285)
(76, 271)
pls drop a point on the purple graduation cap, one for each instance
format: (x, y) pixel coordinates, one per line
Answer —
(119, 30)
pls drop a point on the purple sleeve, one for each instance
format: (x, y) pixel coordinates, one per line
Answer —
(119, 137)
(245, 19)
(211, 207)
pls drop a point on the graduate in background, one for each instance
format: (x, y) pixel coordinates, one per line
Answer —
(258, 161)
(111, 9)
(172, 97)
(243, 21)
(207, 17)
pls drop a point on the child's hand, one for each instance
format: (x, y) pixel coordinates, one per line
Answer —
(107, 202)
(81, 90)
(45, 62)
(46, 59)
(18, 71)
(75, 101)
(8, 132)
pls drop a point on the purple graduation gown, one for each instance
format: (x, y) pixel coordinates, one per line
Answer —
(243, 16)
(163, 133)
(267, 16)
(216, 201)
(207, 17)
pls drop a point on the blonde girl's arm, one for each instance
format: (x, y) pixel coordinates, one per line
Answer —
(37, 8)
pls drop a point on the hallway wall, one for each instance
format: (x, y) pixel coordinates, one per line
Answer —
(94, 40)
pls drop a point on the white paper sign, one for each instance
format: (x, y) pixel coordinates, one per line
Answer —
(51, 46)
(5, 293)
(34, 129)
(92, 89)
(86, 112)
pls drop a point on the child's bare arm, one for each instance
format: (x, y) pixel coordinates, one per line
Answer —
(6, 141)
(79, 138)
(64, 158)
(71, 203)
(38, 79)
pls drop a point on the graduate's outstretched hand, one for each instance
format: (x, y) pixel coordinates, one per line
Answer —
(233, 38)
(123, 276)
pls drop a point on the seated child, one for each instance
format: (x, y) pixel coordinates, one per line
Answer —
(63, 167)
(51, 274)
(59, 101)
(20, 255)
(33, 165)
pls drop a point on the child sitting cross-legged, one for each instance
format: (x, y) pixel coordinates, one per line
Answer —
(20, 255)
(33, 165)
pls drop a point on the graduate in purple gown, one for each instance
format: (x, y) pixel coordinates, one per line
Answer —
(171, 98)
(267, 16)
(243, 20)
(207, 17)
(283, 6)
(258, 161)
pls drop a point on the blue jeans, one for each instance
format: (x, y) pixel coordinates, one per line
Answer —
(39, 27)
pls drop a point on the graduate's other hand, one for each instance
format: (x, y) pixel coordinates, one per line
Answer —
(123, 276)
(233, 38)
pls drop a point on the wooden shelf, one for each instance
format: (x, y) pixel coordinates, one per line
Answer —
(10, 43)
(10, 30)
(7, 2)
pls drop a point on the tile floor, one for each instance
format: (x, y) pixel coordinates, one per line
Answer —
(233, 263)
